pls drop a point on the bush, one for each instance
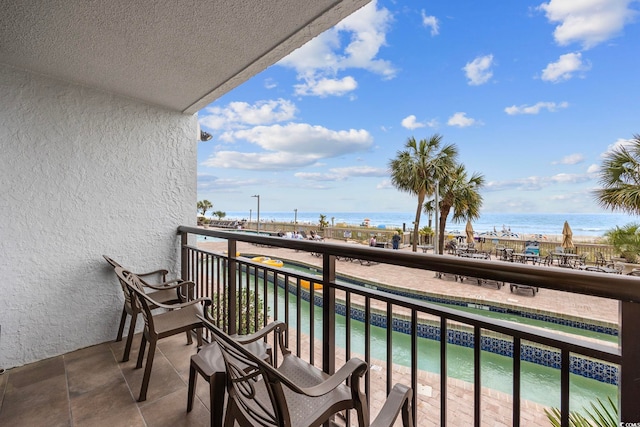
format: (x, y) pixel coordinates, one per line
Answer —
(245, 323)
(626, 240)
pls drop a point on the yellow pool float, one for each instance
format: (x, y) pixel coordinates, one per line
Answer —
(306, 284)
(226, 252)
(266, 260)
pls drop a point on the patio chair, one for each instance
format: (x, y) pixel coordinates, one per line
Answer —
(580, 261)
(182, 317)
(297, 393)
(209, 363)
(165, 292)
(601, 261)
(507, 255)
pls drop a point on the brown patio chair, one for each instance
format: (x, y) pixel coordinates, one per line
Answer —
(165, 292)
(209, 363)
(580, 261)
(297, 393)
(182, 317)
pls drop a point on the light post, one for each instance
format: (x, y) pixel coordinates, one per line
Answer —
(295, 220)
(258, 196)
(250, 215)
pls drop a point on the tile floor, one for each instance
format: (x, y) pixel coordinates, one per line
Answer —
(90, 387)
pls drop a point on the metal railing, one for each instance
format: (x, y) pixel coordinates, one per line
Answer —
(238, 285)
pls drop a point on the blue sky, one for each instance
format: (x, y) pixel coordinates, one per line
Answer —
(532, 94)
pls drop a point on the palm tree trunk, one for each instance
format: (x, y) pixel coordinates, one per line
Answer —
(416, 224)
(444, 213)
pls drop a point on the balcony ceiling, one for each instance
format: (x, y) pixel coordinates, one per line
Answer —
(176, 54)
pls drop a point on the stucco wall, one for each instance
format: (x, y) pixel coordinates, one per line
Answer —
(83, 173)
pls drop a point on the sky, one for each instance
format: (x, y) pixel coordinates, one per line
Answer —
(533, 94)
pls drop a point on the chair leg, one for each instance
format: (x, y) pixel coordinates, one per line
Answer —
(199, 336)
(143, 346)
(147, 371)
(193, 379)
(189, 339)
(217, 384)
(123, 320)
(132, 331)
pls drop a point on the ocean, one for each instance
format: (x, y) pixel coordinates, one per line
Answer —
(520, 223)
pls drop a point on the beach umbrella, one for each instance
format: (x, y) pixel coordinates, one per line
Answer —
(567, 236)
(469, 231)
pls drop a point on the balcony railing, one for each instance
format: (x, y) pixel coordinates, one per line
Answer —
(233, 282)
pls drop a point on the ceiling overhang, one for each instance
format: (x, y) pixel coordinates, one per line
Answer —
(176, 54)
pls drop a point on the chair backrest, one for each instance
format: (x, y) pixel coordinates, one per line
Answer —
(111, 261)
(136, 296)
(255, 385)
(257, 389)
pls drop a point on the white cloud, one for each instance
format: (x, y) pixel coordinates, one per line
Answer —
(385, 185)
(289, 146)
(536, 108)
(360, 171)
(241, 114)
(621, 142)
(593, 169)
(564, 68)
(571, 159)
(324, 57)
(431, 22)
(410, 122)
(270, 84)
(318, 176)
(588, 22)
(478, 71)
(341, 174)
(534, 183)
(461, 120)
(325, 87)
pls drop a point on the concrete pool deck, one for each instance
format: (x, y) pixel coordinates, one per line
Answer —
(583, 306)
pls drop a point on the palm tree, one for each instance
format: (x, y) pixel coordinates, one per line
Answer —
(460, 193)
(204, 205)
(416, 169)
(220, 214)
(322, 222)
(620, 177)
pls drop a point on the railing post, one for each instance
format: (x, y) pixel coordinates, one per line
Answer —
(232, 274)
(328, 314)
(630, 367)
(184, 257)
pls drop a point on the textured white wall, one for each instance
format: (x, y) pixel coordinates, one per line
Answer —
(82, 173)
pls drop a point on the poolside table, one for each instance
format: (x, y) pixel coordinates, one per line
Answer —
(565, 258)
(525, 257)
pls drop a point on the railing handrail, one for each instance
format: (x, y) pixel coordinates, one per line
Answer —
(618, 287)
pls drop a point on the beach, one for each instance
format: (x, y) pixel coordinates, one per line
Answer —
(526, 225)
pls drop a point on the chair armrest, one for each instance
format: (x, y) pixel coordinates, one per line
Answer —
(354, 366)
(162, 272)
(398, 400)
(171, 284)
(205, 300)
(246, 339)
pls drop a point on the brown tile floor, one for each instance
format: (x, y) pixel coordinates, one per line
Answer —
(90, 387)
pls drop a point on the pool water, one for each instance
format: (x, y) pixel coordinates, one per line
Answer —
(512, 317)
(538, 383)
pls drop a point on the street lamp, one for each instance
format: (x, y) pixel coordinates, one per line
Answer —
(295, 220)
(258, 196)
(250, 210)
